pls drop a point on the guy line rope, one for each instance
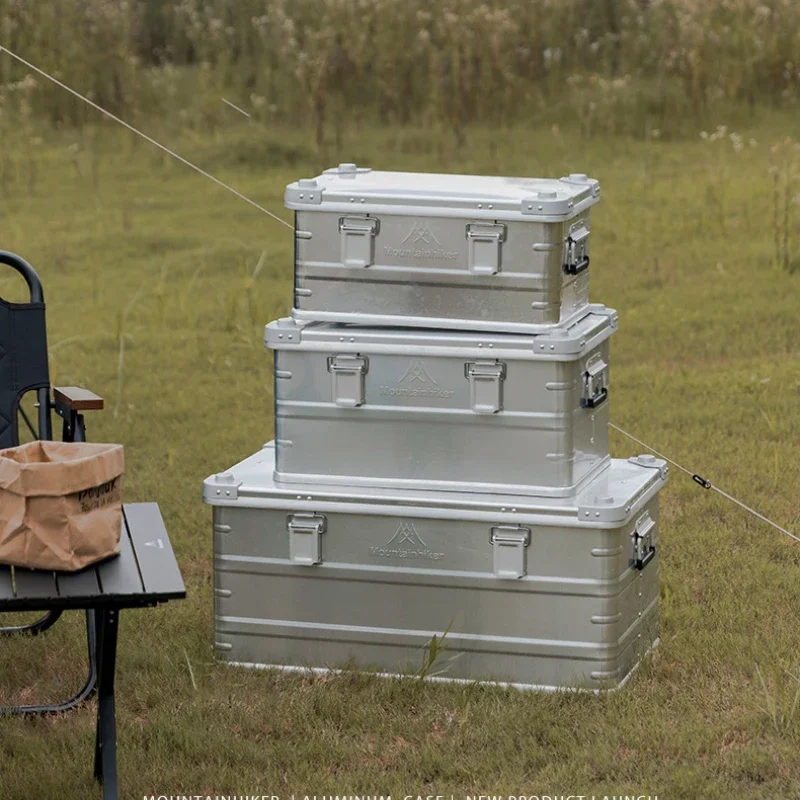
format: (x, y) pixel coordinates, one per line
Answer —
(706, 484)
(145, 136)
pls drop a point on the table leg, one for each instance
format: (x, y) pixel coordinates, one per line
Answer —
(105, 752)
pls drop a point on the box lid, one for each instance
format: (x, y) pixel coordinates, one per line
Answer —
(348, 187)
(564, 343)
(613, 498)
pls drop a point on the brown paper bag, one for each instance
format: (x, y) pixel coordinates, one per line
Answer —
(60, 504)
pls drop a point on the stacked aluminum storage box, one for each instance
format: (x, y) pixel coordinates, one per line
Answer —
(441, 456)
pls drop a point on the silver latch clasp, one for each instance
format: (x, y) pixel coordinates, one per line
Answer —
(347, 372)
(509, 543)
(358, 240)
(485, 385)
(643, 540)
(304, 534)
(485, 247)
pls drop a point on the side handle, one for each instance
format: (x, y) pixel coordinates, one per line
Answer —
(641, 563)
(595, 400)
(575, 268)
(576, 258)
(595, 383)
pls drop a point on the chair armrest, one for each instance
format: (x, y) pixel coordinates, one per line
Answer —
(76, 399)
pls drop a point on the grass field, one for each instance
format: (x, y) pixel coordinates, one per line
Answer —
(157, 302)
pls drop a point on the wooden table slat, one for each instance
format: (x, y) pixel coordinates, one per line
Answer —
(120, 575)
(157, 564)
(6, 587)
(35, 584)
(78, 584)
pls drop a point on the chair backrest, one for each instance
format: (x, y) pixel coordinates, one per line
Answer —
(23, 356)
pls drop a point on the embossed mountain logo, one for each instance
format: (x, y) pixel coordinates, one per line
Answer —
(417, 372)
(416, 381)
(420, 242)
(407, 533)
(420, 232)
(406, 543)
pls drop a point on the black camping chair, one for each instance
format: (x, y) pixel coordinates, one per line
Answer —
(24, 368)
(144, 573)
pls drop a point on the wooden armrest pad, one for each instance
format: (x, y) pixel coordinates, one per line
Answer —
(77, 399)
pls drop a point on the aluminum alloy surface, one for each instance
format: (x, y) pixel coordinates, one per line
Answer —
(552, 593)
(445, 410)
(441, 251)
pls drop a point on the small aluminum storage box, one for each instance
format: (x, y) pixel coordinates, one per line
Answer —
(446, 410)
(555, 593)
(441, 251)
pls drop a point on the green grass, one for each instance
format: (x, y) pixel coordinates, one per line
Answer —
(152, 302)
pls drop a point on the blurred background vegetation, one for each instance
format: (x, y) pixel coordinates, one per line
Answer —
(317, 77)
(614, 66)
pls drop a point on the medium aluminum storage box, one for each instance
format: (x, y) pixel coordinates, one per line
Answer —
(555, 593)
(441, 251)
(446, 410)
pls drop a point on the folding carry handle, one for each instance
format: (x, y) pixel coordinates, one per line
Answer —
(577, 255)
(595, 389)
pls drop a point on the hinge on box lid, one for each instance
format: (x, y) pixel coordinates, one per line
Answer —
(485, 247)
(358, 240)
(509, 543)
(485, 385)
(642, 538)
(576, 258)
(304, 533)
(348, 373)
(595, 380)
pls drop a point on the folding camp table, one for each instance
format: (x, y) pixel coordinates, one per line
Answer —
(144, 574)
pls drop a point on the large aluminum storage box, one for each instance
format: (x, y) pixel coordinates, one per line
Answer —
(447, 410)
(546, 594)
(441, 251)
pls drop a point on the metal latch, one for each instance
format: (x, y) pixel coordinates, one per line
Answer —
(485, 385)
(595, 379)
(485, 247)
(576, 258)
(509, 543)
(304, 533)
(348, 373)
(358, 240)
(642, 538)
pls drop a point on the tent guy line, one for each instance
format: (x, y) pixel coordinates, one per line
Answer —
(703, 482)
(706, 484)
(144, 136)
